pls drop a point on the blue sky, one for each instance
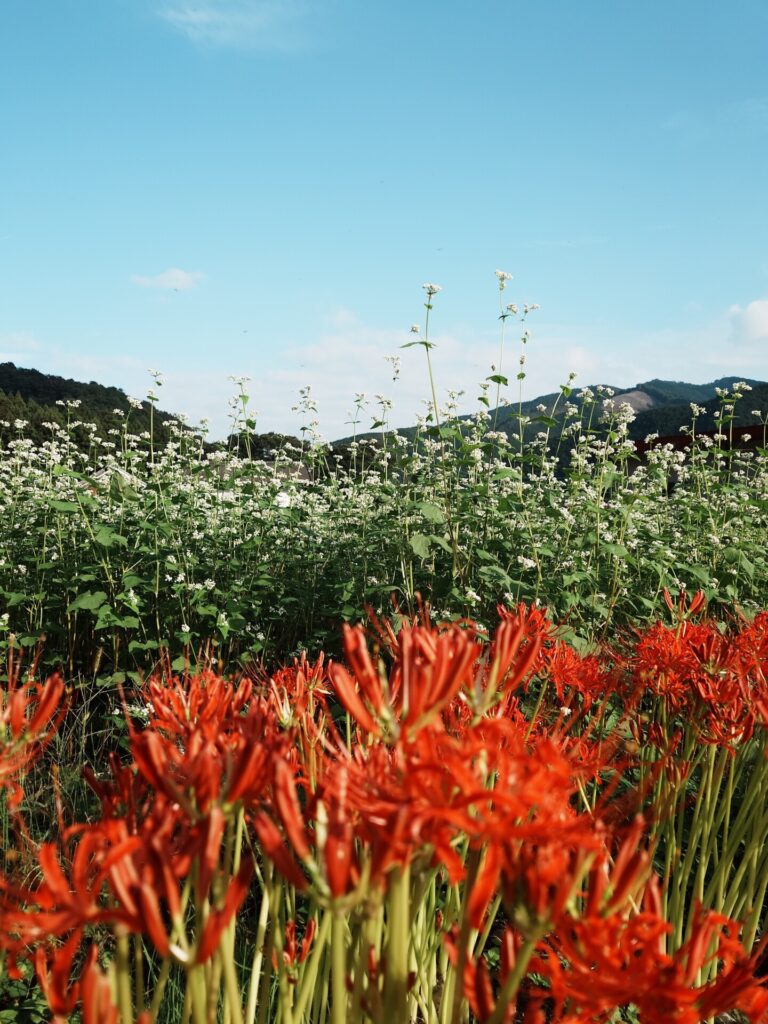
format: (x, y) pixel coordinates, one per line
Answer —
(260, 187)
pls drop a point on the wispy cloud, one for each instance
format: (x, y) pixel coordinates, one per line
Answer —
(750, 323)
(172, 280)
(249, 24)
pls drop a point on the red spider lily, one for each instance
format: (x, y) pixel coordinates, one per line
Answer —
(129, 879)
(29, 715)
(293, 953)
(274, 846)
(223, 758)
(296, 690)
(477, 985)
(97, 1005)
(68, 900)
(93, 990)
(589, 968)
(665, 661)
(685, 609)
(586, 675)
(338, 847)
(605, 962)
(335, 854)
(124, 794)
(219, 918)
(53, 968)
(430, 668)
(614, 885)
(717, 681)
(431, 665)
(524, 631)
(203, 703)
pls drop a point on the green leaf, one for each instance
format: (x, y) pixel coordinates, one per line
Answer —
(89, 601)
(747, 566)
(420, 545)
(108, 537)
(617, 550)
(120, 489)
(63, 506)
(698, 572)
(447, 433)
(432, 513)
(497, 378)
(441, 542)
(137, 645)
(180, 664)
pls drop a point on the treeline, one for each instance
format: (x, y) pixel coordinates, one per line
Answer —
(31, 401)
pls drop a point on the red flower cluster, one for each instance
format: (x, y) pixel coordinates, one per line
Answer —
(29, 714)
(414, 767)
(714, 679)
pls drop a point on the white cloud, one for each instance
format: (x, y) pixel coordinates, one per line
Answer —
(350, 358)
(252, 24)
(346, 356)
(172, 279)
(750, 323)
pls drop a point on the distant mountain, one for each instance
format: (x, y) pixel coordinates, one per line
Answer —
(661, 407)
(33, 398)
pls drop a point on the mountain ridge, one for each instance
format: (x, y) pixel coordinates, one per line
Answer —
(661, 406)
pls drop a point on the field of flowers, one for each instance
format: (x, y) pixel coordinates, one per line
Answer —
(530, 788)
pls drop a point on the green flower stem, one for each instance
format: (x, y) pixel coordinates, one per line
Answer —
(284, 990)
(198, 996)
(756, 912)
(123, 978)
(511, 985)
(232, 992)
(398, 930)
(138, 968)
(320, 1000)
(159, 992)
(457, 988)
(258, 955)
(339, 969)
(309, 977)
(482, 937)
(680, 877)
(265, 973)
(749, 811)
